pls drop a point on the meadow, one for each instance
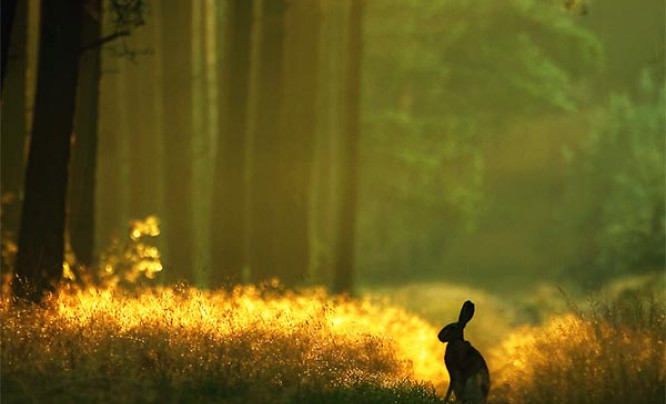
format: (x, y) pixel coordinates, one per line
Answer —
(269, 345)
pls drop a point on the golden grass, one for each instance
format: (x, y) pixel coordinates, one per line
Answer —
(266, 345)
(611, 354)
(251, 342)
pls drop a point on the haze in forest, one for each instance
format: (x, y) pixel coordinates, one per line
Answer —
(283, 201)
(498, 145)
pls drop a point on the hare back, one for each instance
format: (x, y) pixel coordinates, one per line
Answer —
(468, 371)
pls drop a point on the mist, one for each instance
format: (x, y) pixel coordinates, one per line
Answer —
(386, 158)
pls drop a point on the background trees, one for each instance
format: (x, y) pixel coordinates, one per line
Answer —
(83, 166)
(228, 233)
(274, 137)
(614, 186)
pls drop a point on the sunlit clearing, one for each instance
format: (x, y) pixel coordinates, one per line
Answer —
(275, 340)
(263, 343)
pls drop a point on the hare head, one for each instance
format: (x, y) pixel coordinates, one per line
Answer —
(454, 331)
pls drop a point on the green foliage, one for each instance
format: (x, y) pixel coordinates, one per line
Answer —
(617, 185)
(476, 57)
(371, 393)
(442, 78)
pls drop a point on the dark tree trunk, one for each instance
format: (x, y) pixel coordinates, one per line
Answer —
(40, 254)
(13, 127)
(7, 12)
(296, 144)
(177, 81)
(264, 174)
(228, 209)
(84, 153)
(344, 257)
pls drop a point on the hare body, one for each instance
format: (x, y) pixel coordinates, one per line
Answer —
(467, 369)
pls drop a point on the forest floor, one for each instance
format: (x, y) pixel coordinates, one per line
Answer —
(268, 345)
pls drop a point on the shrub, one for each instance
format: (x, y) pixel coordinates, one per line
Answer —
(613, 354)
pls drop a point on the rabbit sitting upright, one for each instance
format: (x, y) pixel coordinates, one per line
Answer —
(468, 372)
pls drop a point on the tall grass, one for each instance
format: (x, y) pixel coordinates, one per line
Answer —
(187, 345)
(265, 345)
(611, 354)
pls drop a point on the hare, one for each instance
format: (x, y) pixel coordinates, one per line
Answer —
(467, 369)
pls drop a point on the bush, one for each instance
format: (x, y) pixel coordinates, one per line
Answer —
(613, 354)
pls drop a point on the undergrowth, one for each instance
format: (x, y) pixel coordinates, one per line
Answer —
(266, 345)
(612, 353)
(187, 345)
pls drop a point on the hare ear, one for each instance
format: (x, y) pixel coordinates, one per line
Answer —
(466, 312)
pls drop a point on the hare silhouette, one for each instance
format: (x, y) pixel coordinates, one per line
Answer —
(470, 380)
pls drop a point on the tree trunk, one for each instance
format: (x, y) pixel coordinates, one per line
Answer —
(228, 209)
(177, 80)
(40, 255)
(8, 13)
(296, 144)
(14, 128)
(84, 153)
(142, 153)
(344, 257)
(331, 102)
(264, 174)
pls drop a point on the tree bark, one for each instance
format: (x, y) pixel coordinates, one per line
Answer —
(331, 102)
(8, 14)
(14, 128)
(40, 255)
(228, 209)
(344, 257)
(264, 173)
(176, 85)
(84, 153)
(109, 219)
(296, 144)
(143, 156)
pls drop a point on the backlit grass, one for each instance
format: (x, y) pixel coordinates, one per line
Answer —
(265, 345)
(183, 344)
(613, 353)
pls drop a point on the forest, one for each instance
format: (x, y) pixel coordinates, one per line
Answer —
(283, 201)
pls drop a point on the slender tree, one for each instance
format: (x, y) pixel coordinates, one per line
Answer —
(264, 173)
(114, 185)
(331, 102)
(8, 13)
(81, 203)
(13, 126)
(40, 254)
(228, 208)
(177, 138)
(110, 185)
(296, 144)
(344, 257)
(142, 139)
